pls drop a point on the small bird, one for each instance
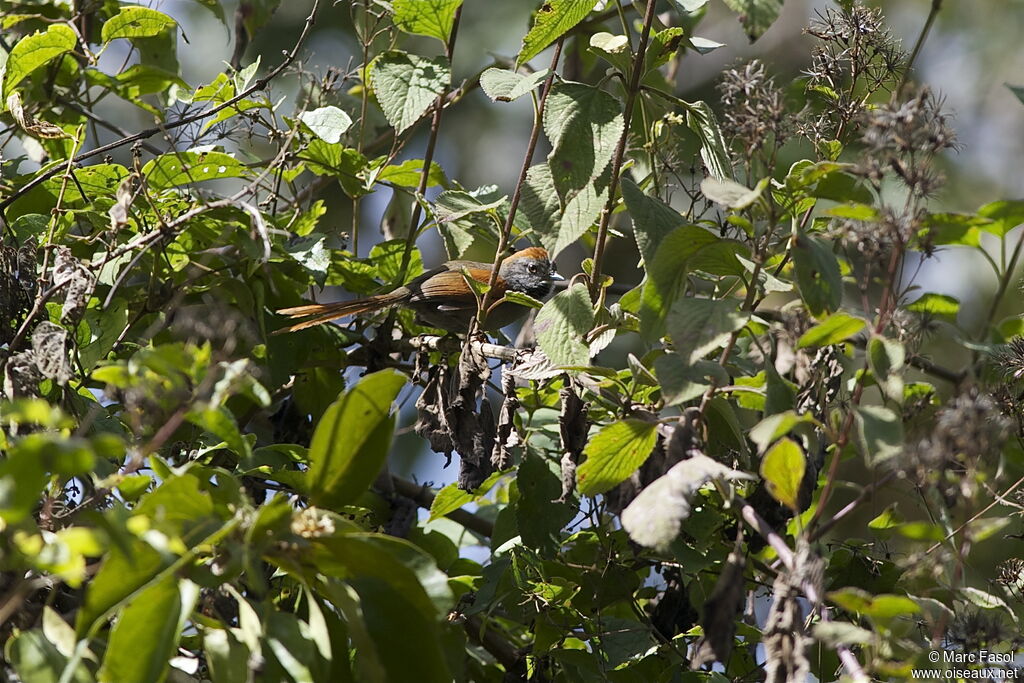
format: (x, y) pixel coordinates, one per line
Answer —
(442, 298)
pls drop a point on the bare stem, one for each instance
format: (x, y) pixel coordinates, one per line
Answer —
(620, 150)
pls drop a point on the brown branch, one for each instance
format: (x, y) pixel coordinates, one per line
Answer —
(422, 496)
(517, 193)
(620, 150)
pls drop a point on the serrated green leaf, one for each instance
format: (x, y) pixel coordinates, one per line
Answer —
(698, 326)
(702, 121)
(880, 432)
(731, 194)
(32, 52)
(835, 328)
(409, 172)
(757, 16)
(136, 22)
(561, 325)
(557, 227)
(406, 85)
(817, 275)
(432, 18)
(552, 20)
(653, 219)
(783, 469)
(886, 358)
(614, 453)
(183, 168)
(584, 125)
(328, 123)
(352, 439)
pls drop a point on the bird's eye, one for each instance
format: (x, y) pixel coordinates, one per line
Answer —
(534, 268)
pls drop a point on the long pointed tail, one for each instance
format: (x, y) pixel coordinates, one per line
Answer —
(318, 314)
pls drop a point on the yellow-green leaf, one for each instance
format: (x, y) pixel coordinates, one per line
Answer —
(614, 453)
(783, 470)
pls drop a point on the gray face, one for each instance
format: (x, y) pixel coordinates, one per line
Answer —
(528, 275)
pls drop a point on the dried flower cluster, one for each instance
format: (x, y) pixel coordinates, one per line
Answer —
(964, 432)
(856, 57)
(754, 114)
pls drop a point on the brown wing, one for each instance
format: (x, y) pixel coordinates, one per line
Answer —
(447, 286)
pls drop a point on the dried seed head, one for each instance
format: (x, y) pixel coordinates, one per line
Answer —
(754, 114)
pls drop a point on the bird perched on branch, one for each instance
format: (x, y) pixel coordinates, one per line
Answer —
(442, 297)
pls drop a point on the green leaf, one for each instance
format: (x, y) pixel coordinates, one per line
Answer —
(409, 172)
(328, 123)
(698, 326)
(352, 440)
(689, 6)
(32, 52)
(653, 219)
(666, 273)
(124, 571)
(557, 227)
(1017, 90)
(432, 18)
(183, 168)
(756, 15)
(136, 22)
(701, 120)
(835, 328)
(406, 85)
(765, 432)
(612, 48)
(681, 382)
(146, 634)
(886, 358)
(220, 422)
(817, 275)
(1005, 216)
(880, 432)
(614, 453)
(561, 325)
(505, 85)
(37, 660)
(884, 607)
(584, 125)
(226, 657)
(731, 194)
(703, 46)
(952, 228)
(783, 469)
(552, 20)
(451, 497)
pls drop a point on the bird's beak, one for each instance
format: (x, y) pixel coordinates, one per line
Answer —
(555, 276)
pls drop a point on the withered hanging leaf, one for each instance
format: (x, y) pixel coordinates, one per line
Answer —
(719, 614)
(50, 350)
(21, 375)
(572, 427)
(534, 364)
(33, 126)
(507, 437)
(77, 280)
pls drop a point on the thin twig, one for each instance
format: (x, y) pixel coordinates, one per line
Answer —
(517, 193)
(422, 496)
(632, 91)
(923, 36)
(260, 84)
